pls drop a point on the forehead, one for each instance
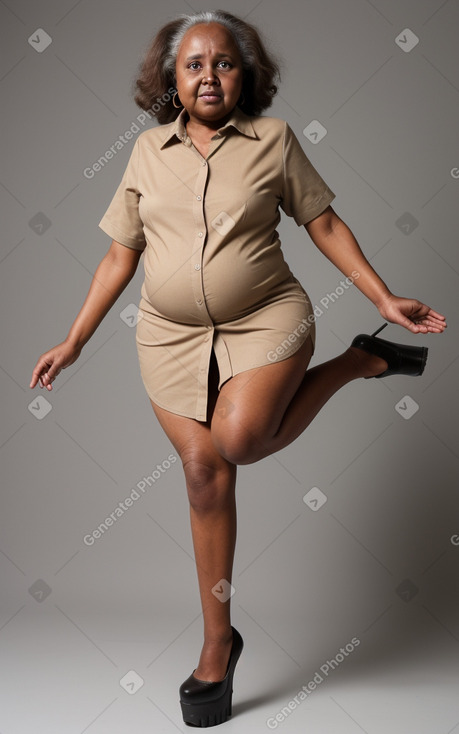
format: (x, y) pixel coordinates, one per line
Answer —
(207, 37)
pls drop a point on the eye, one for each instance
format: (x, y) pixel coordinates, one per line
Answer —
(228, 65)
(193, 63)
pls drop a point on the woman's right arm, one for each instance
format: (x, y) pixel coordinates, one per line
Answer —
(113, 273)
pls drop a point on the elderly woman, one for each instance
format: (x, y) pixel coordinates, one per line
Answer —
(226, 332)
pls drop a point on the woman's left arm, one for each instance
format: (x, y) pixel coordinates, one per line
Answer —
(336, 241)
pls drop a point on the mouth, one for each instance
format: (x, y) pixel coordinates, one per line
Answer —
(210, 96)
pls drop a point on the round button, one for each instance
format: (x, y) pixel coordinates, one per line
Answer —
(199, 198)
(199, 234)
(197, 266)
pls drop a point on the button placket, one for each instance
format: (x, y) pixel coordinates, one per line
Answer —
(201, 233)
(196, 275)
(196, 259)
(199, 241)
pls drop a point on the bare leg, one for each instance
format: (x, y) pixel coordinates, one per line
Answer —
(272, 405)
(210, 481)
(317, 387)
(214, 539)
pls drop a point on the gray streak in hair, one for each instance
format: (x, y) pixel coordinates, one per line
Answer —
(207, 16)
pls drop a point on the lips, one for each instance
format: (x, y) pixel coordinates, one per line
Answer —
(210, 94)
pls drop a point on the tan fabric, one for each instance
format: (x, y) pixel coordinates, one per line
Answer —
(215, 275)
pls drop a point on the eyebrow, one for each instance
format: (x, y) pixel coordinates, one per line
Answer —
(199, 56)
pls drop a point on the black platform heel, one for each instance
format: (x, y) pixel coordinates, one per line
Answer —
(401, 359)
(208, 703)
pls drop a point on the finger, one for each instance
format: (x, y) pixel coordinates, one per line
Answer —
(52, 373)
(429, 317)
(437, 323)
(435, 330)
(47, 379)
(437, 315)
(41, 367)
(423, 329)
(429, 314)
(36, 377)
(433, 324)
(421, 326)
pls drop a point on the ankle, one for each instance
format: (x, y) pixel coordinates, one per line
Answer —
(364, 363)
(218, 637)
(356, 359)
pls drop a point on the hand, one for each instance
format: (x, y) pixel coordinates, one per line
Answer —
(412, 314)
(51, 363)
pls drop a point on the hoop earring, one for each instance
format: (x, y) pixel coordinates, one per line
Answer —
(177, 106)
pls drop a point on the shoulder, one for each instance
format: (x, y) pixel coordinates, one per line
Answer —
(154, 134)
(265, 125)
(273, 130)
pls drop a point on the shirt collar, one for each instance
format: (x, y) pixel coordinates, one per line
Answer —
(238, 120)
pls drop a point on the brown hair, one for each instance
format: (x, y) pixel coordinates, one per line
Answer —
(155, 85)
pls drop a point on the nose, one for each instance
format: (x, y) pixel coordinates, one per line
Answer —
(208, 75)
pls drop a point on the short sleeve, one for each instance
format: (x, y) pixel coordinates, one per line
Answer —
(122, 221)
(305, 194)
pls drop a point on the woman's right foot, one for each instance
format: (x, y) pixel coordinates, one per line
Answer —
(208, 703)
(213, 662)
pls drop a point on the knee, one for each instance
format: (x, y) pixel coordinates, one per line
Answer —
(209, 486)
(238, 446)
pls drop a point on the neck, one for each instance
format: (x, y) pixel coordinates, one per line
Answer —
(198, 124)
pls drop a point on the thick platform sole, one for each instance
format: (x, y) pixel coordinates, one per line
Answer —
(208, 714)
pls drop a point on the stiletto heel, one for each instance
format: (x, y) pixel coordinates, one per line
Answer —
(380, 329)
(401, 359)
(207, 703)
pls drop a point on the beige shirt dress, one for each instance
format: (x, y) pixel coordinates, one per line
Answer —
(215, 275)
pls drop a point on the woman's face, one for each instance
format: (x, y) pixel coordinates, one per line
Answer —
(208, 73)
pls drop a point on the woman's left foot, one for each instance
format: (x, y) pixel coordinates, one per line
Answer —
(388, 358)
(368, 365)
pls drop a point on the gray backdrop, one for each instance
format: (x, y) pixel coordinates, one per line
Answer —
(98, 637)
